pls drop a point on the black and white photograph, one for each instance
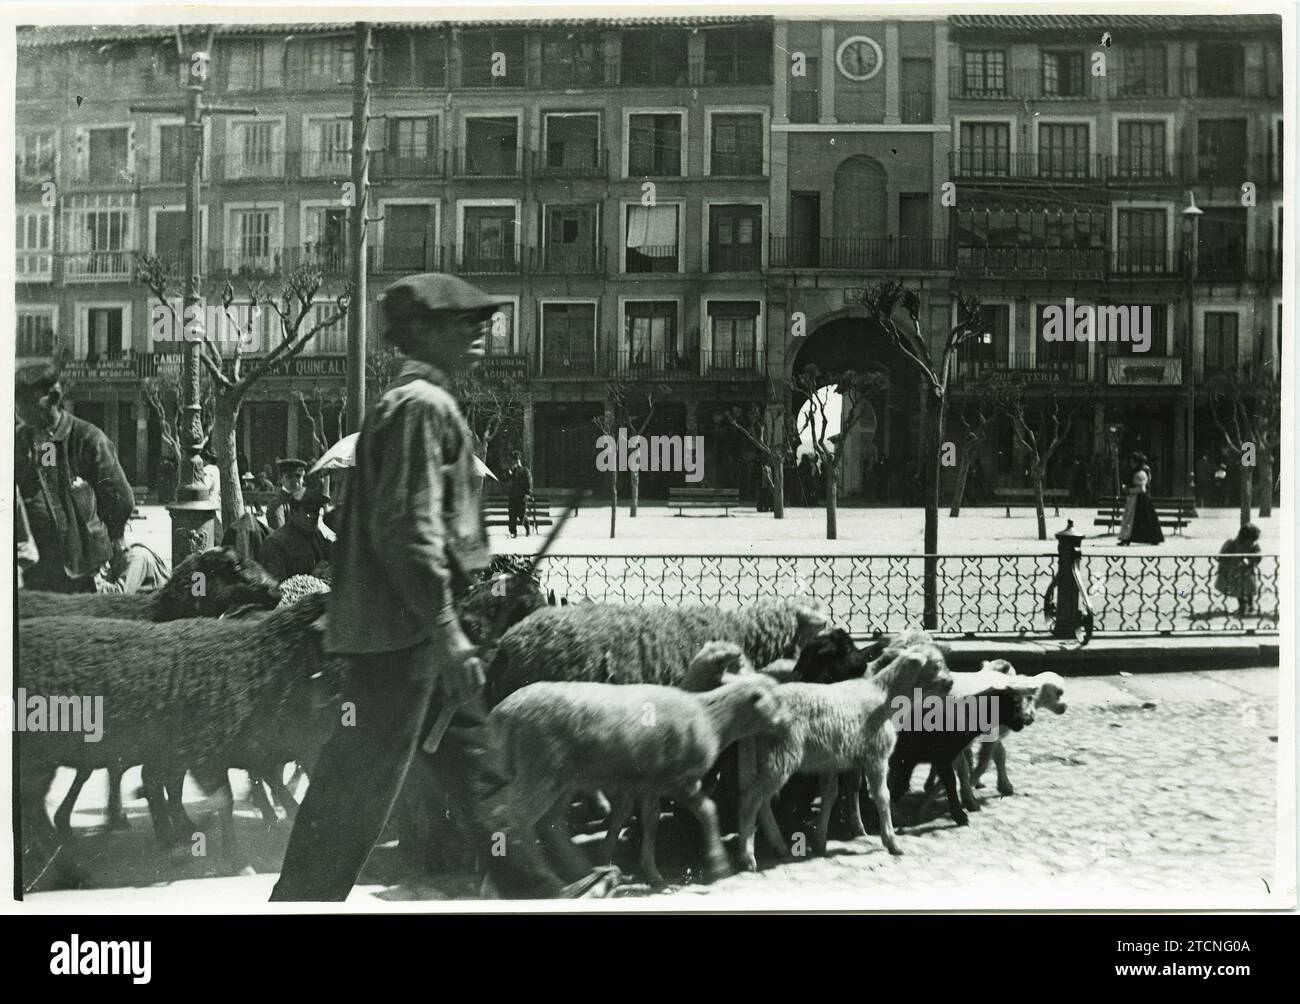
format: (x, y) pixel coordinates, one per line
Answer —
(651, 458)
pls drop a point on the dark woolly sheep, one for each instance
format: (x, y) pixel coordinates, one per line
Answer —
(227, 582)
(200, 694)
(652, 741)
(611, 643)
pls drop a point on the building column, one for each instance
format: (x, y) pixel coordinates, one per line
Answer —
(893, 74)
(692, 417)
(941, 148)
(1182, 476)
(526, 434)
(781, 65)
(827, 82)
(112, 419)
(291, 447)
(142, 457)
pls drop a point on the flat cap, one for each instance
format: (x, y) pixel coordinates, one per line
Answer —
(429, 292)
(290, 464)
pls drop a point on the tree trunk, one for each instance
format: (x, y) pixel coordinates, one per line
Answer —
(778, 491)
(1266, 483)
(832, 502)
(613, 502)
(963, 472)
(1037, 475)
(225, 424)
(635, 476)
(938, 409)
(1247, 494)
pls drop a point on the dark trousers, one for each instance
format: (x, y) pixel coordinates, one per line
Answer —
(518, 513)
(360, 774)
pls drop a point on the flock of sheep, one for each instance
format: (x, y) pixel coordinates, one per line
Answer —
(625, 706)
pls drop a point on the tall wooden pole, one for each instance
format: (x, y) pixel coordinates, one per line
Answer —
(356, 369)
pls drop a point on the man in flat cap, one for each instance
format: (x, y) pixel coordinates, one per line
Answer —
(412, 536)
(292, 471)
(298, 546)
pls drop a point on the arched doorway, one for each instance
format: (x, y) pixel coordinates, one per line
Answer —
(861, 207)
(879, 452)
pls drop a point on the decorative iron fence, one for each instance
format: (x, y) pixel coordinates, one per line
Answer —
(979, 594)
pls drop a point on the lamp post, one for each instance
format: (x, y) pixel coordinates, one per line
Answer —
(1191, 219)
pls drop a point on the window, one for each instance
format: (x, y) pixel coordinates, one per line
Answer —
(736, 145)
(735, 233)
(1062, 150)
(1221, 243)
(254, 328)
(917, 91)
(493, 59)
(325, 237)
(489, 239)
(100, 238)
(984, 72)
(252, 241)
(1140, 241)
(573, 60)
(1220, 329)
(501, 334)
(330, 340)
(570, 239)
(1063, 74)
(35, 335)
(1141, 153)
(652, 239)
(255, 149)
(654, 58)
(327, 148)
(104, 155)
(252, 66)
(1066, 360)
(36, 153)
(650, 337)
(1142, 73)
(412, 146)
(568, 338)
(986, 148)
(491, 147)
(171, 231)
(411, 59)
(734, 56)
(327, 63)
(1220, 69)
(1156, 331)
(572, 143)
(655, 145)
(35, 244)
(733, 326)
(37, 69)
(991, 350)
(410, 237)
(1221, 150)
(804, 94)
(103, 328)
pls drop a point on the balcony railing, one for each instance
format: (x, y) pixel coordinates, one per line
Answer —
(655, 73)
(399, 259)
(651, 258)
(1135, 82)
(595, 165)
(98, 266)
(1019, 84)
(35, 266)
(1025, 366)
(259, 166)
(755, 71)
(988, 163)
(567, 259)
(805, 106)
(644, 362)
(882, 253)
(917, 107)
(479, 260)
(574, 73)
(733, 258)
(567, 364)
(1146, 259)
(106, 174)
(393, 164)
(486, 164)
(326, 163)
(34, 170)
(1032, 262)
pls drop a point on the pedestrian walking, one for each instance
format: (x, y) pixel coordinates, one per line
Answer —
(1221, 485)
(298, 546)
(1238, 577)
(212, 477)
(412, 537)
(1203, 486)
(75, 493)
(1140, 524)
(292, 472)
(519, 486)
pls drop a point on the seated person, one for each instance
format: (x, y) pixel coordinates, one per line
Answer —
(133, 569)
(298, 546)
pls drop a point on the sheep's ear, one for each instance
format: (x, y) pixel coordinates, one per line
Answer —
(319, 625)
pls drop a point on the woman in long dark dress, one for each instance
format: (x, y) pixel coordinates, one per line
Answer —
(1141, 525)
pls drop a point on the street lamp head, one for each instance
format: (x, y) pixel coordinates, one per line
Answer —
(1191, 210)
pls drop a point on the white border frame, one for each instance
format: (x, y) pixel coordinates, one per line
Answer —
(1244, 332)
(543, 230)
(596, 113)
(839, 54)
(227, 245)
(760, 110)
(305, 206)
(542, 301)
(650, 297)
(623, 206)
(155, 149)
(706, 204)
(36, 209)
(279, 143)
(706, 327)
(1089, 120)
(458, 250)
(20, 131)
(425, 200)
(1170, 226)
(439, 115)
(680, 112)
(1166, 117)
(1010, 121)
(462, 132)
(310, 117)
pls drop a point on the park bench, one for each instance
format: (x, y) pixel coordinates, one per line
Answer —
(496, 511)
(1172, 512)
(1024, 498)
(703, 498)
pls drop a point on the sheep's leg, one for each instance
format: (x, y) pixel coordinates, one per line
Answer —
(1000, 761)
(230, 848)
(829, 785)
(750, 801)
(63, 815)
(985, 758)
(573, 864)
(852, 783)
(182, 825)
(618, 817)
(159, 811)
(962, 765)
(282, 792)
(703, 809)
(44, 855)
(116, 817)
(649, 829)
(772, 832)
(257, 795)
(880, 796)
(949, 780)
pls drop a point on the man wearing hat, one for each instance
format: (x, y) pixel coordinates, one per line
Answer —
(292, 470)
(298, 546)
(412, 537)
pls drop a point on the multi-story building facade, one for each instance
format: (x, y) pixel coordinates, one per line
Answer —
(698, 201)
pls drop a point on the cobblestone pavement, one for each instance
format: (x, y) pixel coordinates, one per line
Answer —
(1151, 790)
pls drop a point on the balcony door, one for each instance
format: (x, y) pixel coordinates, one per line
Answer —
(568, 339)
(570, 239)
(103, 333)
(410, 233)
(861, 211)
(489, 239)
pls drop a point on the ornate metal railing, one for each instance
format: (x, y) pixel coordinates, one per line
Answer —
(979, 594)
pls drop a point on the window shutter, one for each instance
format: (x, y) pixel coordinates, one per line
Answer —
(83, 152)
(130, 148)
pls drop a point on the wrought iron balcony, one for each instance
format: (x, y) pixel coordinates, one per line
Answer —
(855, 254)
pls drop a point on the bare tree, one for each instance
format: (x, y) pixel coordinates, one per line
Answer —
(1051, 428)
(233, 376)
(156, 391)
(977, 418)
(607, 422)
(1251, 401)
(897, 310)
(326, 429)
(854, 389)
(634, 407)
(770, 429)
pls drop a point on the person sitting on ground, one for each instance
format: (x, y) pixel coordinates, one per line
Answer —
(136, 569)
(298, 546)
(1238, 577)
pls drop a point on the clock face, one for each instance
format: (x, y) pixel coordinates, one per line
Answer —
(859, 58)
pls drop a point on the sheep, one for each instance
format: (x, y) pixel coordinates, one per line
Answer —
(1049, 693)
(202, 694)
(644, 739)
(836, 727)
(226, 582)
(601, 642)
